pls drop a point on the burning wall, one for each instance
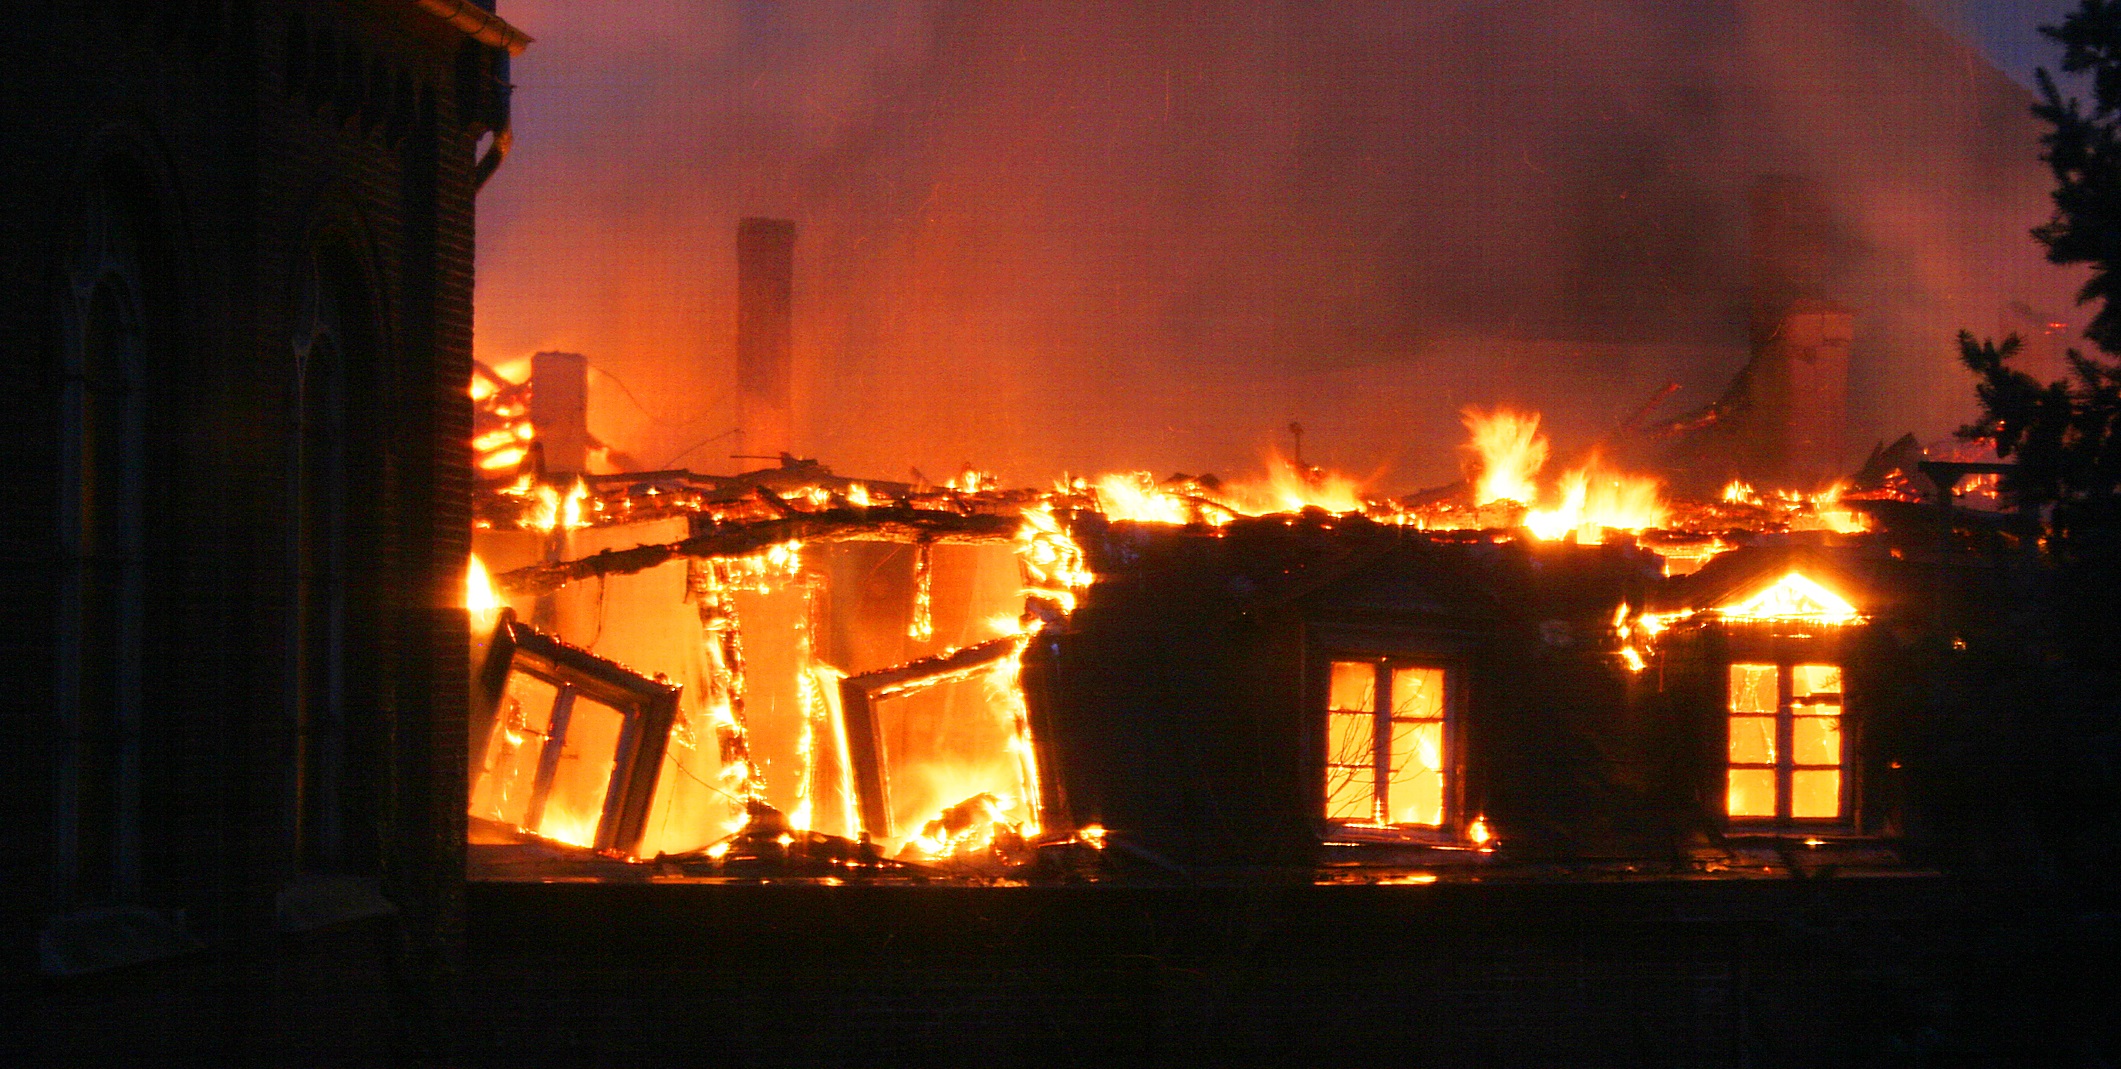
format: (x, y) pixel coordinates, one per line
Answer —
(767, 639)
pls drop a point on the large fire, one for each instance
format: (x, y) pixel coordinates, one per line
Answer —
(952, 746)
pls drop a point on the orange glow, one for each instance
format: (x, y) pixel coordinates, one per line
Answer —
(479, 595)
(1134, 495)
(1593, 500)
(1750, 792)
(1510, 452)
(1792, 597)
(1479, 834)
(1410, 879)
(503, 459)
(500, 412)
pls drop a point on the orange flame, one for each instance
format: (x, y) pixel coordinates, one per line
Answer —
(1795, 596)
(1593, 499)
(479, 594)
(550, 510)
(1824, 511)
(1134, 495)
(1510, 451)
(1291, 487)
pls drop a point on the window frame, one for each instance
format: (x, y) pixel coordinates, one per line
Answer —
(338, 554)
(870, 757)
(1452, 819)
(110, 334)
(649, 707)
(1785, 655)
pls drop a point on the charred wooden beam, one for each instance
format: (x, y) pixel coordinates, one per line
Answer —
(928, 671)
(737, 540)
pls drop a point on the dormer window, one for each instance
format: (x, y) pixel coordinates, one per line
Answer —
(1785, 752)
(1388, 745)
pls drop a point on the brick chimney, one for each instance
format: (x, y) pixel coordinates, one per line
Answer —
(559, 409)
(1799, 374)
(765, 289)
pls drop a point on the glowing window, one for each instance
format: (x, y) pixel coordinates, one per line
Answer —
(574, 743)
(1386, 746)
(1784, 752)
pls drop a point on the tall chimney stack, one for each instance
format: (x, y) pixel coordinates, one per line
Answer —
(1799, 376)
(765, 289)
(559, 410)
(1793, 249)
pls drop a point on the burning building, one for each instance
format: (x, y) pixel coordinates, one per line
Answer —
(249, 471)
(1198, 676)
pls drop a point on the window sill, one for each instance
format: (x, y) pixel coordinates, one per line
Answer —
(1389, 835)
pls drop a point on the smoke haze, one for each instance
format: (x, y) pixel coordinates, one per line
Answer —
(1046, 237)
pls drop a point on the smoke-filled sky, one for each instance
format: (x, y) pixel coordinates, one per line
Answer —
(1068, 236)
(2006, 31)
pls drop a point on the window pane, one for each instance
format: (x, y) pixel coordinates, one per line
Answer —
(576, 803)
(1351, 765)
(1417, 692)
(1351, 739)
(527, 705)
(502, 791)
(1354, 687)
(1752, 740)
(1752, 792)
(1351, 792)
(1414, 794)
(1816, 740)
(1753, 688)
(1807, 680)
(1815, 793)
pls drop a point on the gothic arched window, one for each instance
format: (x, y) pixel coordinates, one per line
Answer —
(334, 561)
(102, 545)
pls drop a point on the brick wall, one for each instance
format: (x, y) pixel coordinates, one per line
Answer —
(256, 126)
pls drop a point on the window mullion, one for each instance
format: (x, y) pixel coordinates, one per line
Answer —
(1381, 747)
(1785, 738)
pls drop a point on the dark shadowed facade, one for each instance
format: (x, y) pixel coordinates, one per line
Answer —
(238, 252)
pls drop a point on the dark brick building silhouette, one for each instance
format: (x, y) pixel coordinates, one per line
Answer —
(238, 259)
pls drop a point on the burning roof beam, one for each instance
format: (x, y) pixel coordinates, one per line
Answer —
(736, 540)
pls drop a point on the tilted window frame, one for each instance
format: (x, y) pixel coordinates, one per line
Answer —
(858, 698)
(649, 707)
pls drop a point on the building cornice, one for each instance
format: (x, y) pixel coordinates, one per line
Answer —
(477, 23)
